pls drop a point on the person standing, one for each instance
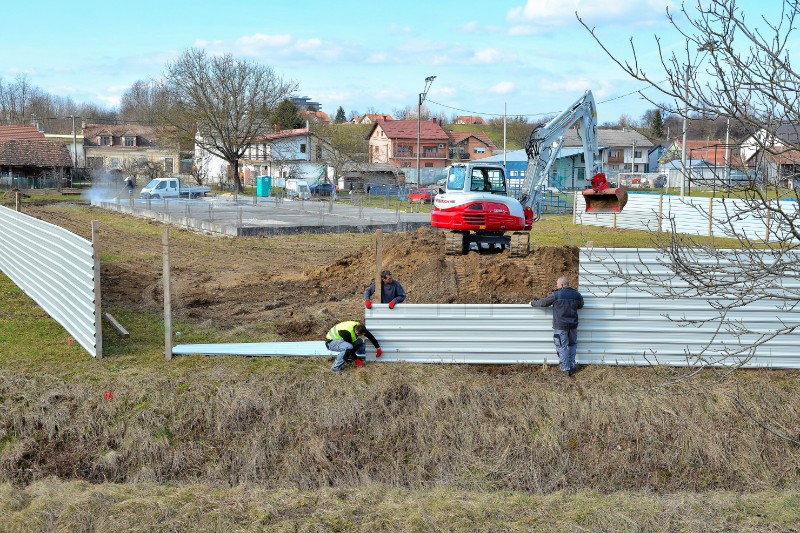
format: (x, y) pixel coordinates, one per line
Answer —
(129, 186)
(392, 292)
(347, 339)
(565, 301)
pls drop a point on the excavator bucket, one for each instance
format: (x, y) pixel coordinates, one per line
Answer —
(601, 198)
(605, 201)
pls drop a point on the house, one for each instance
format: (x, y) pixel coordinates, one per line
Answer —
(372, 118)
(567, 172)
(65, 130)
(134, 149)
(627, 148)
(469, 146)
(785, 135)
(33, 163)
(395, 142)
(774, 154)
(713, 150)
(319, 116)
(655, 154)
(470, 119)
(294, 153)
(21, 133)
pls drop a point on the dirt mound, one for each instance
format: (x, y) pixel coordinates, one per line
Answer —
(418, 261)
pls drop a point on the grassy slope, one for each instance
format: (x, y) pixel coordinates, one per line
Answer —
(459, 446)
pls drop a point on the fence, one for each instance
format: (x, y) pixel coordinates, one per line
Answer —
(58, 270)
(712, 217)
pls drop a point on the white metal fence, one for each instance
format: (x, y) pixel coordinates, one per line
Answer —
(691, 215)
(57, 269)
(621, 324)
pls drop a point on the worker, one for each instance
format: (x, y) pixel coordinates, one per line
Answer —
(347, 339)
(129, 186)
(565, 301)
(392, 292)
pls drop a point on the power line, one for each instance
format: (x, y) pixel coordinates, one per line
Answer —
(637, 91)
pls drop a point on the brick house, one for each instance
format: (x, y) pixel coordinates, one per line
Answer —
(469, 146)
(394, 142)
(372, 118)
(123, 147)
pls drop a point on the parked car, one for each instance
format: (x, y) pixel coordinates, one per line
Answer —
(322, 189)
(423, 195)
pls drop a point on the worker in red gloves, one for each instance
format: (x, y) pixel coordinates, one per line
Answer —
(392, 292)
(347, 338)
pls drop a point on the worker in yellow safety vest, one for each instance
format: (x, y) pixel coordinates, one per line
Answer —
(347, 338)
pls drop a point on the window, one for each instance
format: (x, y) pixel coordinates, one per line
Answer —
(94, 162)
(637, 154)
(302, 148)
(455, 178)
(129, 141)
(479, 150)
(105, 140)
(431, 150)
(173, 184)
(428, 165)
(403, 149)
(487, 180)
(168, 166)
(114, 162)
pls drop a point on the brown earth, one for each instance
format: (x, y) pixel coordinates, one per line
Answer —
(296, 282)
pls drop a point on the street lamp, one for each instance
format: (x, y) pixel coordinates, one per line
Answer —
(422, 95)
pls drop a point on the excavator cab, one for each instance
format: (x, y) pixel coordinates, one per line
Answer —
(602, 198)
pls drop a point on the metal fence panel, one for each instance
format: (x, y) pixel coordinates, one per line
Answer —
(690, 215)
(55, 268)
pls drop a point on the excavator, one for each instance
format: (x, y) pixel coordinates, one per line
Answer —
(477, 209)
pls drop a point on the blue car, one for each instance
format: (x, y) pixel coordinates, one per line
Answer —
(322, 189)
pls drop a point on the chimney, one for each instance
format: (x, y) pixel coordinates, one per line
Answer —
(433, 119)
(276, 128)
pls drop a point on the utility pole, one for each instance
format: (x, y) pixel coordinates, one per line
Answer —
(422, 95)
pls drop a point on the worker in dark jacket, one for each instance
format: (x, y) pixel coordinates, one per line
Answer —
(347, 339)
(392, 292)
(565, 301)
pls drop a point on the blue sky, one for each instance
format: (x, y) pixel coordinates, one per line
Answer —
(530, 57)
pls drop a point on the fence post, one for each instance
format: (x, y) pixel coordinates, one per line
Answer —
(660, 210)
(378, 264)
(766, 222)
(98, 317)
(710, 216)
(17, 201)
(167, 296)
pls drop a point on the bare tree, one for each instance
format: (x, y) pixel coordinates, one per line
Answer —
(225, 102)
(735, 67)
(346, 147)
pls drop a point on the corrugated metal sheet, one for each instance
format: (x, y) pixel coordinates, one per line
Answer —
(264, 349)
(55, 268)
(621, 324)
(624, 324)
(691, 216)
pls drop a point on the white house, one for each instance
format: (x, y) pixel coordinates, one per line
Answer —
(295, 153)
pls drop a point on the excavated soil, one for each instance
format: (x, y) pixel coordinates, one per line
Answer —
(302, 284)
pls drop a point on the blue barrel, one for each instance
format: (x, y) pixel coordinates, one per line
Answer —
(263, 185)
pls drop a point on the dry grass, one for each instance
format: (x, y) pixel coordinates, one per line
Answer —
(53, 505)
(294, 424)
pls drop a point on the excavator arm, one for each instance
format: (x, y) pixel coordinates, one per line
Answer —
(542, 149)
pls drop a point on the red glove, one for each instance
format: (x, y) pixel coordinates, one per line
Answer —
(391, 304)
(368, 304)
(378, 352)
(359, 363)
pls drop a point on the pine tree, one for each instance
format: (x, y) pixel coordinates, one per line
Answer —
(340, 116)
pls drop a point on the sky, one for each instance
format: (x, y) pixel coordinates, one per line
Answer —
(517, 57)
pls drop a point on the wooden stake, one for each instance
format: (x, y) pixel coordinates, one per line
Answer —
(167, 298)
(660, 210)
(17, 201)
(378, 263)
(710, 216)
(98, 318)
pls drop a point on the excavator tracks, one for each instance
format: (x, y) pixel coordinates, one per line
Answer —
(520, 244)
(456, 244)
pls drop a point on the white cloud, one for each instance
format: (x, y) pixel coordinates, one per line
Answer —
(487, 55)
(504, 87)
(558, 12)
(576, 86)
(468, 27)
(397, 29)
